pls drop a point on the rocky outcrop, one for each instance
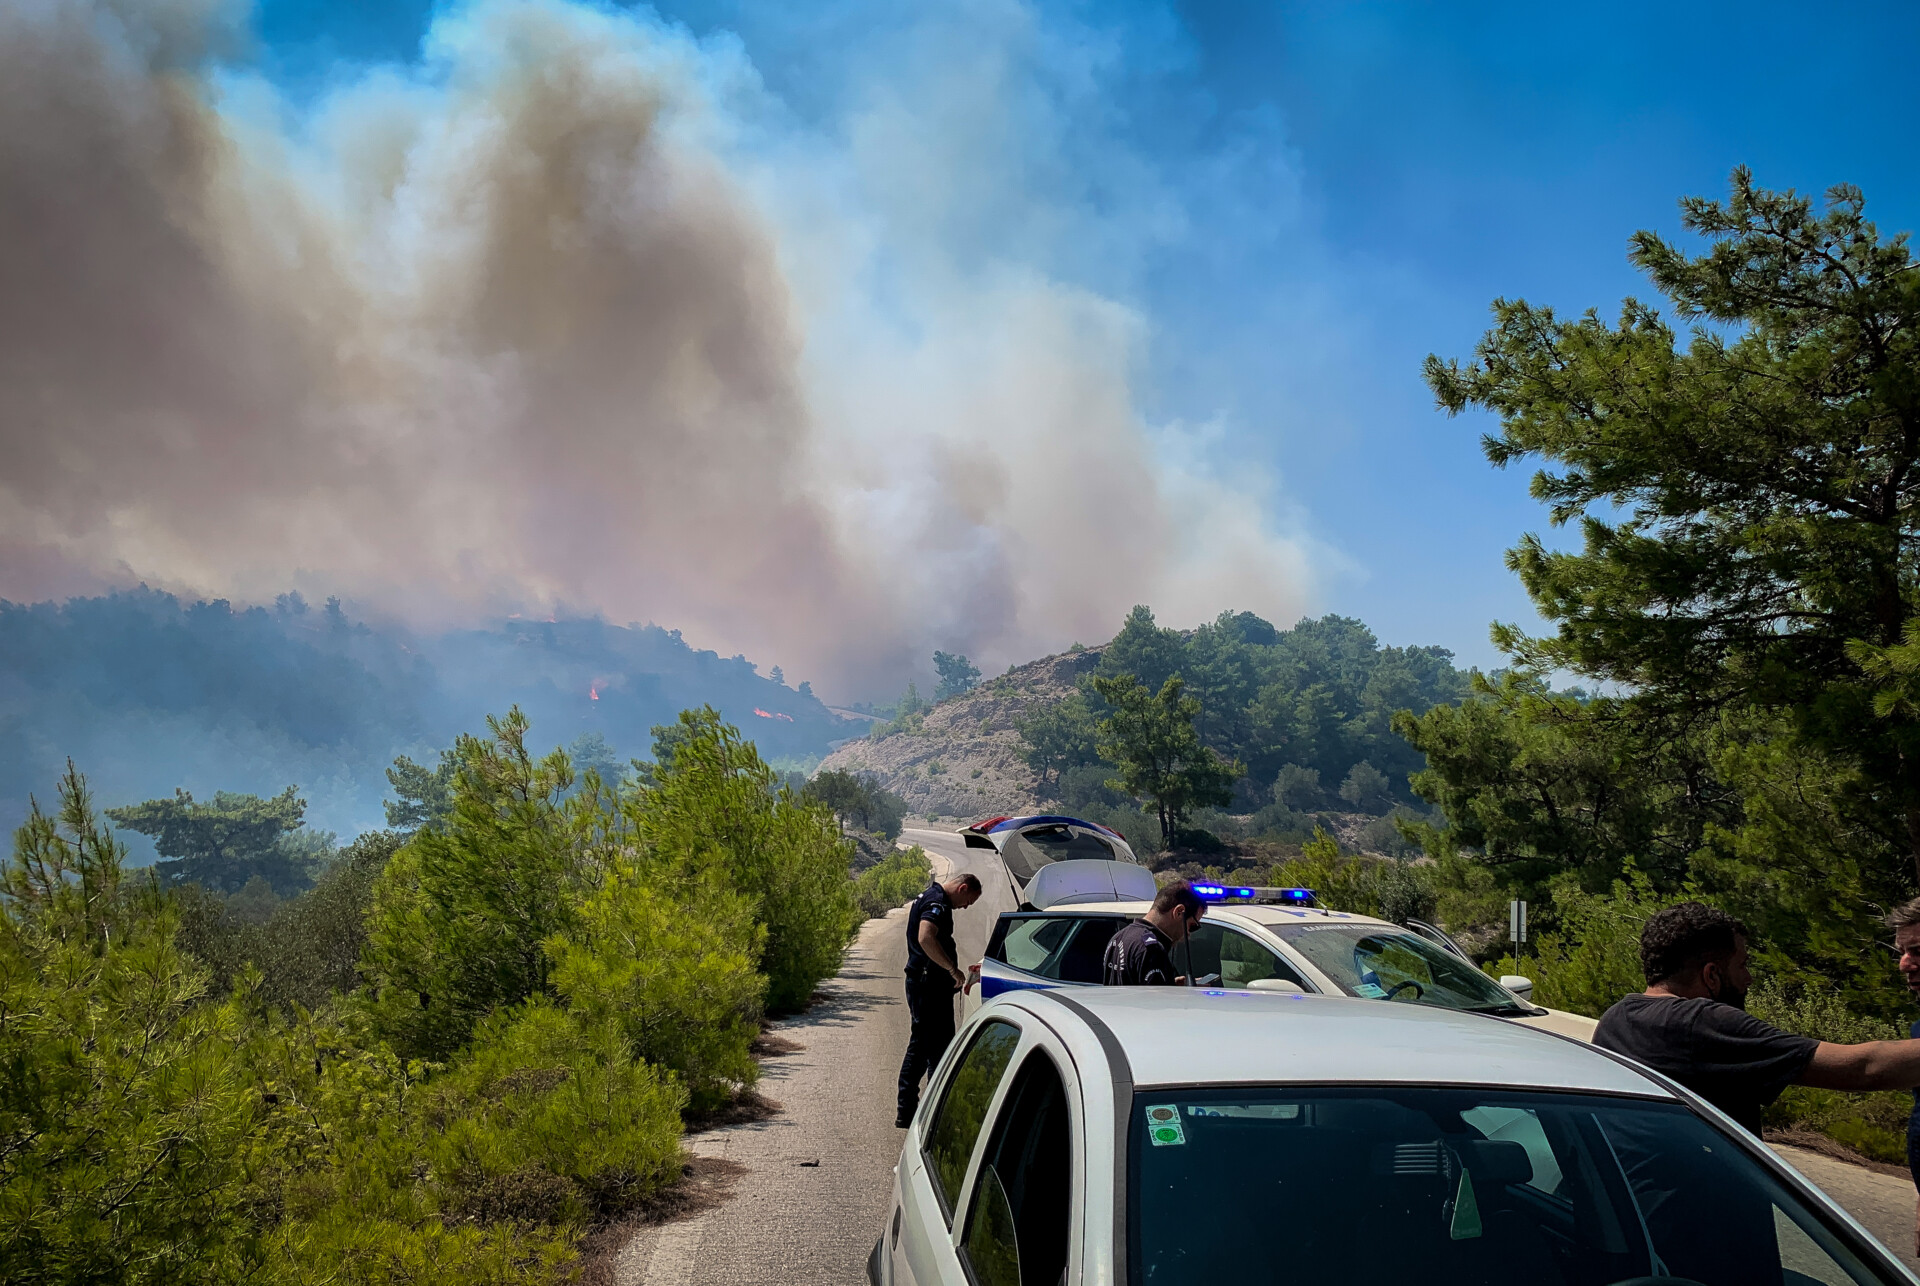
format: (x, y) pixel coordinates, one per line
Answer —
(963, 758)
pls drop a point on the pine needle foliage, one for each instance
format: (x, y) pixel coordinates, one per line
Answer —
(552, 973)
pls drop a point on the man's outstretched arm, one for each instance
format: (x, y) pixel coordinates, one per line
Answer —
(1870, 1065)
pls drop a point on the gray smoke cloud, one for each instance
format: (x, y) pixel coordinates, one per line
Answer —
(563, 316)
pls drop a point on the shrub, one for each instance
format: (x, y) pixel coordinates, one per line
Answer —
(373, 1169)
(1404, 891)
(551, 1119)
(1084, 786)
(673, 973)
(1816, 1010)
(715, 812)
(462, 912)
(1382, 835)
(1195, 839)
(309, 948)
(1367, 789)
(124, 1107)
(1592, 956)
(155, 1134)
(897, 878)
(858, 800)
(1298, 788)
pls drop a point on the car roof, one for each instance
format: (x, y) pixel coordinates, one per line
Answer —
(1191, 1036)
(1256, 912)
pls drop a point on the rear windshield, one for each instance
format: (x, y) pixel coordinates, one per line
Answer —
(1378, 963)
(1029, 850)
(1458, 1187)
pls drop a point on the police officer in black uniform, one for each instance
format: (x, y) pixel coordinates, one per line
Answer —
(933, 976)
(1141, 955)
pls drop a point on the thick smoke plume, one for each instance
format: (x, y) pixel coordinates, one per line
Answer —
(557, 317)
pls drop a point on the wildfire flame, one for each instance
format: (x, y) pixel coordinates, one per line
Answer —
(764, 714)
(593, 693)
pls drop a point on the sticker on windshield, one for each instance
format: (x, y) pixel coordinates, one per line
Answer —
(1163, 1125)
(1370, 990)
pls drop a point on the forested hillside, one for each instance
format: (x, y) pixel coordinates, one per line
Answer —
(152, 693)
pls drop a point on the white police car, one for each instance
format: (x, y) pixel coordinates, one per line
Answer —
(1166, 1138)
(1286, 944)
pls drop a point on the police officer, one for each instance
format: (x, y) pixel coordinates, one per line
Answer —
(1140, 955)
(933, 976)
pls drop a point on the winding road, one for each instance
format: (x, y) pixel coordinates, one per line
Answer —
(818, 1173)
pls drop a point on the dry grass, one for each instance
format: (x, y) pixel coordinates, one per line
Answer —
(743, 1108)
(1814, 1141)
(771, 1044)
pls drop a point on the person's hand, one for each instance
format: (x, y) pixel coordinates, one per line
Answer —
(959, 976)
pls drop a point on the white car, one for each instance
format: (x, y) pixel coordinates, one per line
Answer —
(1170, 1138)
(1270, 948)
(1077, 882)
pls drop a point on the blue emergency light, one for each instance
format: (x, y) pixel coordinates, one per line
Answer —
(1241, 893)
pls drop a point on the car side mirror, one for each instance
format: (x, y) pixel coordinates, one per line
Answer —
(1276, 984)
(1518, 984)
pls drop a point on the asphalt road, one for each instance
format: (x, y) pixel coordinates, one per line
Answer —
(818, 1173)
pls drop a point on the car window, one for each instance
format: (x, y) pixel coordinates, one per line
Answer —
(1022, 1211)
(1215, 955)
(1198, 955)
(1025, 852)
(1029, 943)
(1083, 959)
(1376, 962)
(963, 1108)
(1065, 843)
(1460, 1186)
(1244, 960)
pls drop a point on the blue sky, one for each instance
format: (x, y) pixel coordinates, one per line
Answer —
(1303, 200)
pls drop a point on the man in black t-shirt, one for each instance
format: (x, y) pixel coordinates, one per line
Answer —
(1691, 1024)
(933, 975)
(1905, 923)
(1140, 955)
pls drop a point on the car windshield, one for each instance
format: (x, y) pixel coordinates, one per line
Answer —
(1459, 1187)
(1379, 963)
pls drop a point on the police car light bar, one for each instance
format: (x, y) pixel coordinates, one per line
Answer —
(1255, 893)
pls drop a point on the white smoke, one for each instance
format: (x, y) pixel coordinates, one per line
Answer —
(572, 313)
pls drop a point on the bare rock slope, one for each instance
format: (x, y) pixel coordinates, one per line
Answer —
(963, 760)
